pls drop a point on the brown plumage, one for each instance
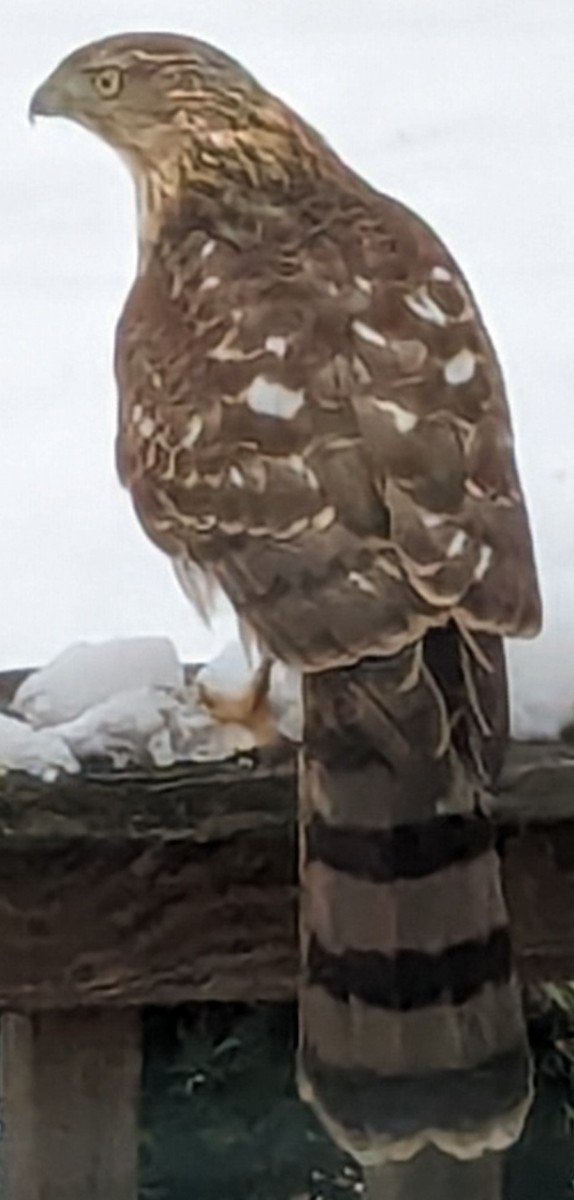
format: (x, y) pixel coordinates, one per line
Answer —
(311, 412)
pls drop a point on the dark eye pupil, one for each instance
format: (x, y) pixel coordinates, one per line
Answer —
(108, 82)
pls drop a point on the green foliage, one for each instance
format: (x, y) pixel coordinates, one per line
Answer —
(222, 1121)
(542, 1166)
(221, 1117)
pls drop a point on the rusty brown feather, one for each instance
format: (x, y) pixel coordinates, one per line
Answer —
(312, 413)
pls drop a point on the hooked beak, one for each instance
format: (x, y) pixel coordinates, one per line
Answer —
(52, 99)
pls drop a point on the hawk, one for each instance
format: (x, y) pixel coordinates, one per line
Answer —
(312, 416)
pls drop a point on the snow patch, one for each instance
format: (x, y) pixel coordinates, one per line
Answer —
(127, 701)
(230, 672)
(88, 673)
(40, 752)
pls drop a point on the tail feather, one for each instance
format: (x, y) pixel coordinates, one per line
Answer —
(411, 1023)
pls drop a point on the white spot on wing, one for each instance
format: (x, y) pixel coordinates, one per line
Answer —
(236, 477)
(484, 561)
(292, 530)
(223, 139)
(368, 334)
(474, 490)
(299, 466)
(204, 522)
(410, 352)
(194, 429)
(404, 420)
(324, 518)
(360, 370)
(364, 284)
(210, 281)
(431, 520)
(272, 399)
(147, 427)
(460, 368)
(276, 345)
(212, 479)
(456, 546)
(207, 248)
(225, 351)
(362, 583)
(441, 275)
(423, 306)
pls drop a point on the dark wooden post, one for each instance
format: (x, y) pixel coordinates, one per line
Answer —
(434, 1176)
(70, 1099)
(18, 1177)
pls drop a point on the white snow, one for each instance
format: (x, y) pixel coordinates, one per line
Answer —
(153, 725)
(230, 672)
(126, 727)
(40, 752)
(127, 700)
(85, 675)
(462, 110)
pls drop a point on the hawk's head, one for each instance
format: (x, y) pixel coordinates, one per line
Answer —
(136, 89)
(179, 109)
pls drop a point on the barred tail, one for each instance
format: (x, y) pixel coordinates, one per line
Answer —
(411, 1024)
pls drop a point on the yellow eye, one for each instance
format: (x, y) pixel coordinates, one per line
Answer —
(108, 82)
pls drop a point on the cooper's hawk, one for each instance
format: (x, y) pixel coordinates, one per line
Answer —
(312, 416)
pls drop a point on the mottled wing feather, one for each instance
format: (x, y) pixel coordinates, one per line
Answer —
(437, 432)
(331, 441)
